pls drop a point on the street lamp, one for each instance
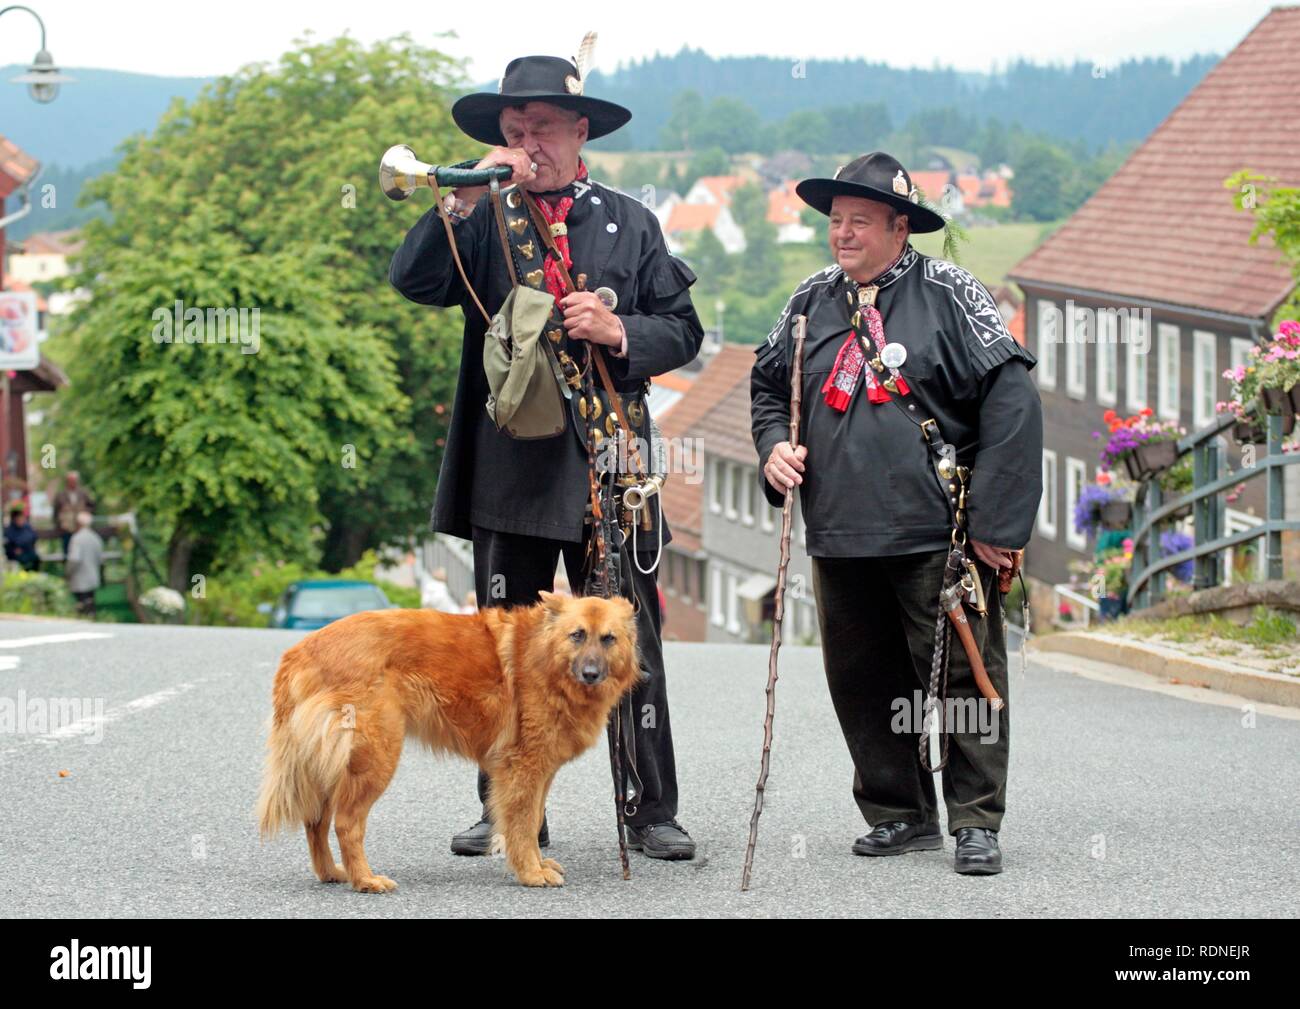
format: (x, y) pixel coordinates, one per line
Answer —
(42, 77)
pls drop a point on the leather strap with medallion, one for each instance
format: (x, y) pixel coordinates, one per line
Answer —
(524, 234)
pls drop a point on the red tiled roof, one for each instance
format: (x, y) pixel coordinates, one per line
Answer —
(16, 166)
(783, 206)
(726, 428)
(727, 374)
(692, 217)
(1163, 227)
(64, 243)
(721, 186)
(931, 184)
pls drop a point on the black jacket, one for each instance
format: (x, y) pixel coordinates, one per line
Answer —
(869, 487)
(540, 488)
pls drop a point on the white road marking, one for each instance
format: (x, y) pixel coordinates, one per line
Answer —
(93, 725)
(51, 639)
(9, 662)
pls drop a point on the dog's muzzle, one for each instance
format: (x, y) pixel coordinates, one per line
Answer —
(589, 670)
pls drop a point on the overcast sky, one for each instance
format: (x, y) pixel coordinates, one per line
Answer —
(187, 38)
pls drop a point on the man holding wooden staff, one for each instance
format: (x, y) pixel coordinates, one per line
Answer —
(919, 475)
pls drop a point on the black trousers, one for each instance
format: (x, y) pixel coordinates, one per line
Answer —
(511, 569)
(877, 618)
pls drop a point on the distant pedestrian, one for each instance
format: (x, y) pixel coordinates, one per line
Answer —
(68, 502)
(85, 556)
(20, 541)
(435, 595)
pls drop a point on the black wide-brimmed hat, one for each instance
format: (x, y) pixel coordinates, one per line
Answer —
(547, 79)
(876, 176)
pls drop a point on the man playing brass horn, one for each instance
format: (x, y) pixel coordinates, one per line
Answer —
(523, 501)
(919, 469)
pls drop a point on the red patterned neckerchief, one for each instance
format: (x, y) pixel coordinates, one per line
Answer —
(838, 388)
(555, 214)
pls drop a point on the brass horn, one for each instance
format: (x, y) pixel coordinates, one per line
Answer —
(401, 172)
(638, 496)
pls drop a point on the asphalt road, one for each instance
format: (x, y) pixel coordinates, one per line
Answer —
(1122, 801)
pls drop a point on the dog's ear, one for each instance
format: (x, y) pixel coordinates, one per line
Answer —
(553, 603)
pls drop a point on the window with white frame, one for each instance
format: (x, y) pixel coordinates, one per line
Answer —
(1076, 353)
(1137, 351)
(1239, 352)
(1076, 477)
(1107, 356)
(733, 492)
(1205, 376)
(733, 604)
(766, 514)
(749, 479)
(1171, 360)
(717, 485)
(1047, 503)
(1049, 319)
(715, 596)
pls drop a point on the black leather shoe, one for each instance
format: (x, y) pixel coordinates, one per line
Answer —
(978, 853)
(661, 840)
(896, 837)
(477, 840)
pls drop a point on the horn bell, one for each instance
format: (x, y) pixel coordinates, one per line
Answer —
(401, 172)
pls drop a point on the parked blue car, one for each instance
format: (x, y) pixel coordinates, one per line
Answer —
(308, 605)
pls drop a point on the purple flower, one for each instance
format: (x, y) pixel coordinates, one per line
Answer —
(1174, 542)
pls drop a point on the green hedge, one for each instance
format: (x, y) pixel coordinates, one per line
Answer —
(37, 593)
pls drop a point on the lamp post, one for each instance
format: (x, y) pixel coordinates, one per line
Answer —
(42, 77)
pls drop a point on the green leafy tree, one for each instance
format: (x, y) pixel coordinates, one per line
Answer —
(678, 134)
(807, 130)
(710, 262)
(713, 161)
(728, 123)
(760, 268)
(1039, 186)
(260, 195)
(857, 129)
(1277, 217)
(820, 224)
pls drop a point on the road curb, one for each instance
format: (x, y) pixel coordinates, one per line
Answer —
(1170, 664)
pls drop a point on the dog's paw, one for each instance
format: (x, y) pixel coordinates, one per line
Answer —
(336, 875)
(543, 875)
(374, 884)
(550, 863)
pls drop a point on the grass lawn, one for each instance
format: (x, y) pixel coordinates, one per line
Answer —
(991, 251)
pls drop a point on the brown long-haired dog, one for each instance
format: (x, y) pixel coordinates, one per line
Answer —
(521, 691)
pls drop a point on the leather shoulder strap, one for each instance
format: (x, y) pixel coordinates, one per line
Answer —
(597, 351)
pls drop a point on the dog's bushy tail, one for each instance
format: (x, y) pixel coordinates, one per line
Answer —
(306, 756)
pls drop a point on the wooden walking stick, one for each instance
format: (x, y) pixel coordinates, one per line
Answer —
(796, 401)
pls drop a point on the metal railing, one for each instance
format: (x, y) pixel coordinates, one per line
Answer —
(1211, 478)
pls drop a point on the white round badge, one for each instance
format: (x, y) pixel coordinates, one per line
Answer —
(893, 355)
(611, 227)
(596, 200)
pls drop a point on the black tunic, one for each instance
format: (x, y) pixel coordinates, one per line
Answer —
(869, 487)
(540, 488)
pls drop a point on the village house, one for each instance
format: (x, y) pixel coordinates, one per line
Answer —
(1152, 288)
